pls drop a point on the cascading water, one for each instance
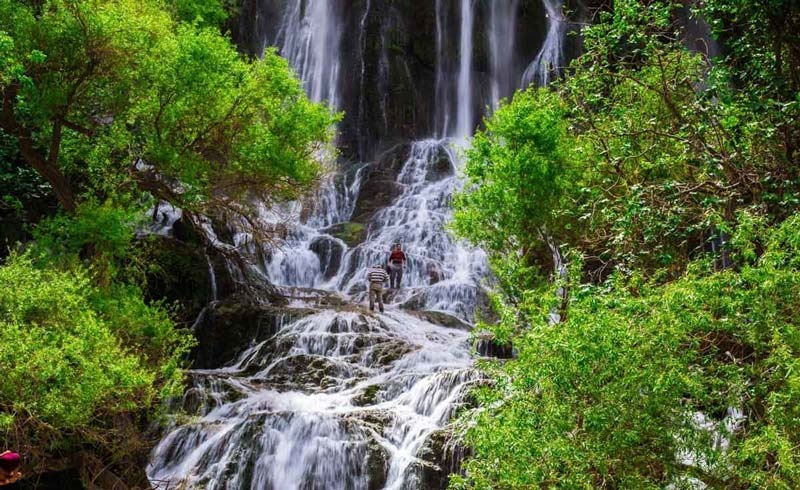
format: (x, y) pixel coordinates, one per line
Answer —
(464, 121)
(336, 396)
(333, 400)
(550, 58)
(310, 38)
(502, 27)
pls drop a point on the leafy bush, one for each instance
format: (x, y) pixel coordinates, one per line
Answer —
(84, 368)
(58, 350)
(72, 352)
(635, 388)
(672, 183)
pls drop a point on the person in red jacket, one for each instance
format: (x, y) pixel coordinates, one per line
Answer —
(397, 260)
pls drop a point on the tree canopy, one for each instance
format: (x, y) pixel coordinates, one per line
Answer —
(669, 182)
(104, 98)
(109, 107)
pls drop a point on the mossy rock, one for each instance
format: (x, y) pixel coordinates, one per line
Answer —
(442, 319)
(230, 327)
(367, 397)
(351, 233)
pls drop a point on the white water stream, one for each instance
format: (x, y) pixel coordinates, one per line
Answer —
(339, 397)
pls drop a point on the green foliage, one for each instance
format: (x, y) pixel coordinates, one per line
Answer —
(652, 152)
(211, 13)
(610, 397)
(61, 346)
(109, 229)
(117, 96)
(517, 171)
(635, 164)
(77, 359)
(110, 105)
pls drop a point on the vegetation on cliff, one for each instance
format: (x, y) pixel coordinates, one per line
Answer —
(109, 107)
(670, 183)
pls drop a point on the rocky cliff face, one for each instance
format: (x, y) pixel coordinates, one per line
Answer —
(393, 53)
(297, 384)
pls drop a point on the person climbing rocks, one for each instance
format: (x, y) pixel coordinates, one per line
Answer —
(9, 468)
(397, 260)
(376, 276)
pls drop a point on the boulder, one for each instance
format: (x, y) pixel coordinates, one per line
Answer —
(441, 318)
(230, 326)
(379, 186)
(351, 233)
(330, 252)
(440, 456)
(367, 396)
(442, 166)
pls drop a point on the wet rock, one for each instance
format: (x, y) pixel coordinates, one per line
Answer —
(389, 60)
(458, 301)
(386, 353)
(329, 252)
(379, 185)
(206, 394)
(377, 466)
(442, 166)
(351, 233)
(316, 298)
(440, 457)
(442, 319)
(232, 325)
(308, 373)
(366, 397)
(487, 346)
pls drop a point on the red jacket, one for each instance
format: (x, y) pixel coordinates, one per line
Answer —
(397, 257)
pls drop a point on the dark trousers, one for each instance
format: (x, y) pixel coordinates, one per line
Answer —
(395, 275)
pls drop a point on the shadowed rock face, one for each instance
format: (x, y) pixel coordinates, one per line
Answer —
(389, 62)
(329, 252)
(231, 326)
(379, 186)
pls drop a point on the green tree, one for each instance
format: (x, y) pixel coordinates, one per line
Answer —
(108, 106)
(109, 97)
(671, 184)
(634, 389)
(81, 365)
(518, 171)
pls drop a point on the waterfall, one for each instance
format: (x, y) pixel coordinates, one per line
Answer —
(442, 97)
(212, 278)
(335, 396)
(309, 37)
(441, 273)
(502, 29)
(333, 400)
(464, 118)
(550, 58)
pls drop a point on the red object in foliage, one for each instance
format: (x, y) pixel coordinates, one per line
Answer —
(9, 461)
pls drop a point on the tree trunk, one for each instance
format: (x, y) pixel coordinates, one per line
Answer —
(48, 169)
(52, 174)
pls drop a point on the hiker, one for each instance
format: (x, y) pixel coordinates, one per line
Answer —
(397, 260)
(9, 468)
(376, 277)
